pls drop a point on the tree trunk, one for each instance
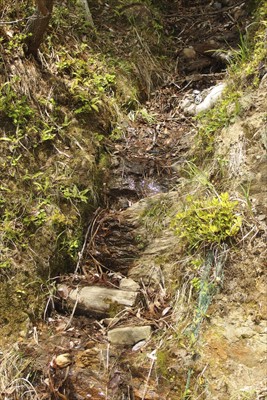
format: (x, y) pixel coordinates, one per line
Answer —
(88, 14)
(37, 26)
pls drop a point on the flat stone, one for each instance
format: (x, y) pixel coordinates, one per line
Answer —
(101, 300)
(129, 335)
(129, 284)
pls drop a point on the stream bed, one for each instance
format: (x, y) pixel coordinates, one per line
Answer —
(103, 328)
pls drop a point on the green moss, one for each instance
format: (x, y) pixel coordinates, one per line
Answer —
(21, 304)
(114, 309)
(255, 41)
(163, 361)
(155, 214)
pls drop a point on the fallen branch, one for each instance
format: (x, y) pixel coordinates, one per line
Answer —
(89, 230)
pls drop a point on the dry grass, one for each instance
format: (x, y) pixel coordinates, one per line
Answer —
(14, 381)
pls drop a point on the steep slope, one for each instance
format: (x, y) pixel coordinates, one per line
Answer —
(195, 244)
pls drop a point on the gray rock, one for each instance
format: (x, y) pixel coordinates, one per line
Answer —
(129, 335)
(101, 300)
(129, 284)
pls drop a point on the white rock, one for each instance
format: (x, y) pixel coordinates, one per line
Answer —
(211, 99)
(194, 105)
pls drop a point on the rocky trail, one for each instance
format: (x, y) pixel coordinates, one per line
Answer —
(97, 340)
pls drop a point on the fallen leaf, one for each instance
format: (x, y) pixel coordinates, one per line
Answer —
(114, 381)
(165, 311)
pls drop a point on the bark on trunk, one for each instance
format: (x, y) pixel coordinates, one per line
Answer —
(88, 14)
(37, 26)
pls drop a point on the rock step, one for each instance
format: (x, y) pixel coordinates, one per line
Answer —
(129, 335)
(101, 301)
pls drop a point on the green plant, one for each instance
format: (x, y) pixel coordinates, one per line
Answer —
(61, 19)
(207, 221)
(13, 105)
(89, 81)
(140, 241)
(195, 282)
(15, 43)
(217, 118)
(74, 193)
(252, 52)
(241, 55)
(245, 191)
(37, 217)
(146, 116)
(198, 175)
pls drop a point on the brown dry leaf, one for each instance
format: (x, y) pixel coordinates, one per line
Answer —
(152, 309)
(63, 291)
(115, 381)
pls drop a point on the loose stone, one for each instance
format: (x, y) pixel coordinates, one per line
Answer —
(189, 52)
(63, 360)
(100, 300)
(129, 284)
(129, 335)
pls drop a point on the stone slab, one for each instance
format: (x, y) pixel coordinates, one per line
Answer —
(129, 335)
(101, 300)
(129, 284)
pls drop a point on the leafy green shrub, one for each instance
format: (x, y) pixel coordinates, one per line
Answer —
(207, 221)
(89, 81)
(14, 106)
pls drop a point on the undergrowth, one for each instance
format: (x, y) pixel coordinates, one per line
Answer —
(207, 221)
(215, 119)
(12, 384)
(55, 113)
(52, 124)
(155, 215)
(245, 71)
